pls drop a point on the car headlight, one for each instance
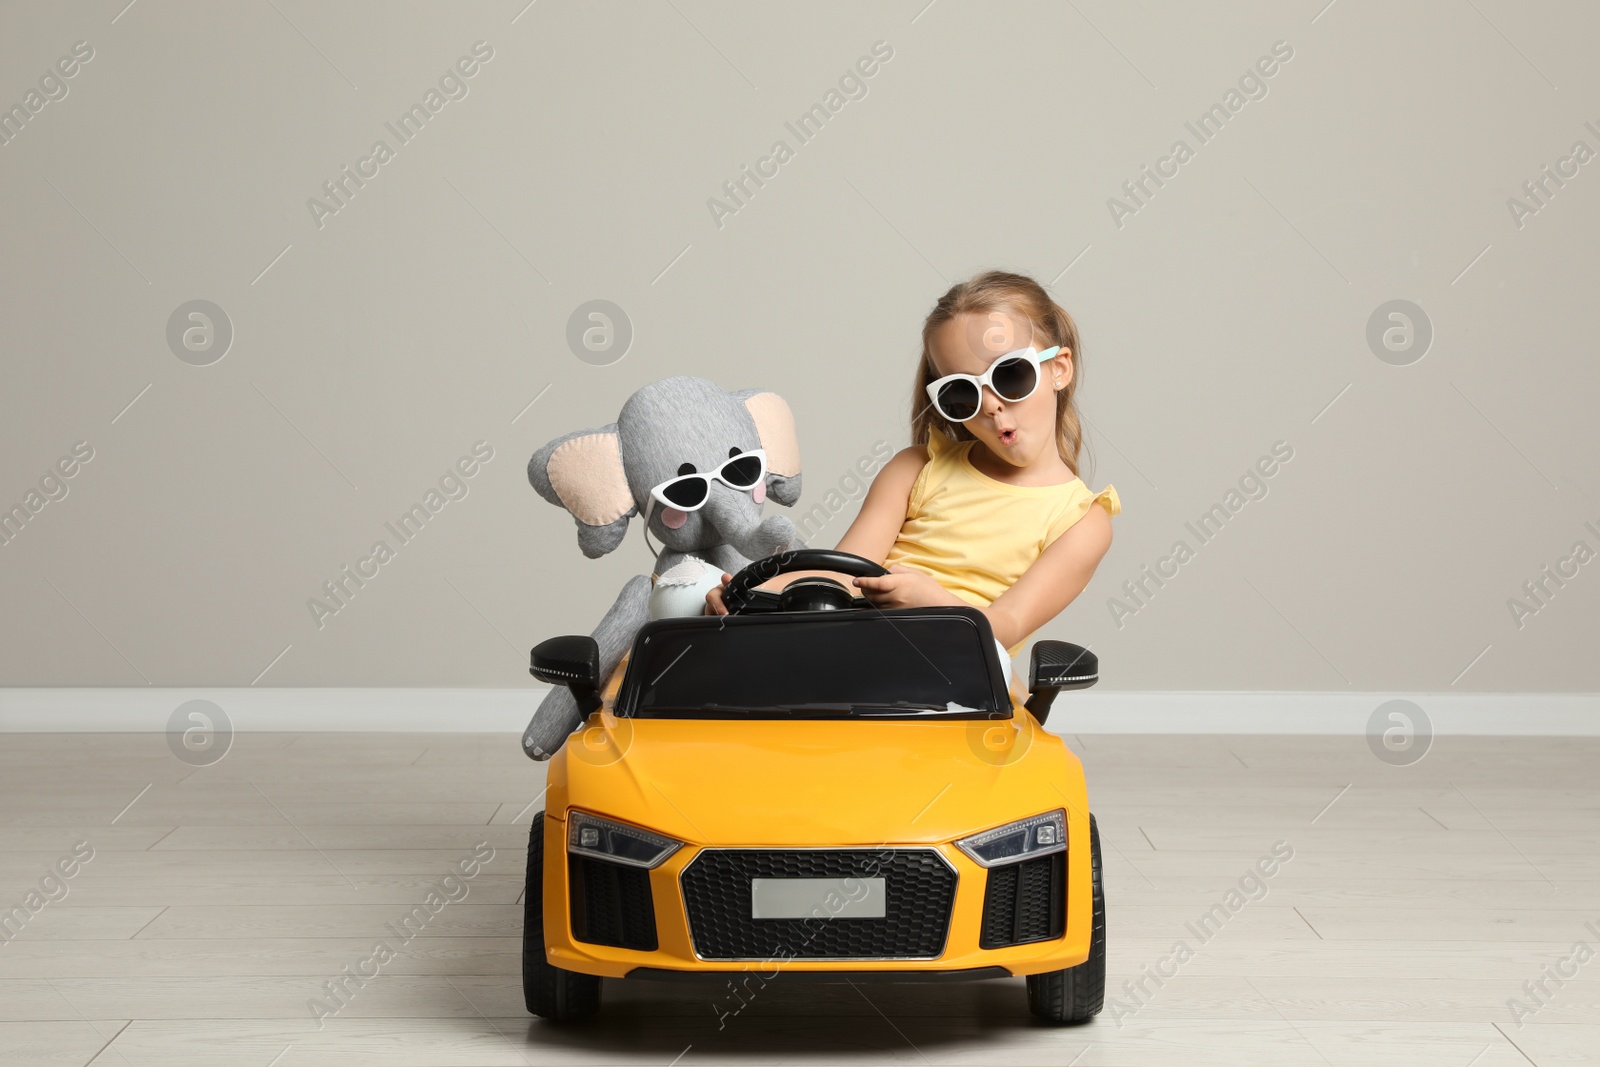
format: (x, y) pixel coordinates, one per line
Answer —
(1021, 840)
(617, 842)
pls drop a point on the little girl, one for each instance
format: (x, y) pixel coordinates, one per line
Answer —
(986, 507)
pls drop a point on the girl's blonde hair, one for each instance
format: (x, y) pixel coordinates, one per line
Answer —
(1022, 297)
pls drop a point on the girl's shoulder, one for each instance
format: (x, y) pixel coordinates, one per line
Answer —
(908, 460)
(939, 445)
(913, 463)
(1080, 500)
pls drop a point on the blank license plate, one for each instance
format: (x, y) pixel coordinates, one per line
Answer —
(821, 898)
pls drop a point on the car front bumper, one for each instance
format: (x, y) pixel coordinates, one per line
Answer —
(690, 916)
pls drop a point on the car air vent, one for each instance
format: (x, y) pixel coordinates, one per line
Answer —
(611, 904)
(1025, 902)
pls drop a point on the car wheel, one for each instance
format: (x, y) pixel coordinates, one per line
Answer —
(558, 995)
(1075, 995)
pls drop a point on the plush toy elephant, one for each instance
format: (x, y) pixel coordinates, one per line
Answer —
(667, 429)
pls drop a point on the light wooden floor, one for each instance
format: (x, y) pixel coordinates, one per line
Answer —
(222, 899)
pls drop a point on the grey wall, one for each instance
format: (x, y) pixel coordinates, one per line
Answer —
(370, 351)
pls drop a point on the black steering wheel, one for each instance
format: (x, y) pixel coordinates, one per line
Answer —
(740, 596)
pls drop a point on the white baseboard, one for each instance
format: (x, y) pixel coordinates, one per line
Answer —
(139, 710)
(508, 710)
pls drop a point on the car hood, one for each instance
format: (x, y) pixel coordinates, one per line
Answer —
(721, 782)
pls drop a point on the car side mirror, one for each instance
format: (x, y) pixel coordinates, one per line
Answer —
(1054, 666)
(572, 660)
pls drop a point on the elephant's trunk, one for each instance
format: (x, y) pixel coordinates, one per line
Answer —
(735, 519)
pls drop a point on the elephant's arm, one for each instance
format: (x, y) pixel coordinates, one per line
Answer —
(617, 628)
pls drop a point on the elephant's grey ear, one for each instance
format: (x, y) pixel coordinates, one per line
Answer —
(775, 423)
(583, 472)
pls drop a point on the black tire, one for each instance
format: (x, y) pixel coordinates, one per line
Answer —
(1076, 994)
(558, 995)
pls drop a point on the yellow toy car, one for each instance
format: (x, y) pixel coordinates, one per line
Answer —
(813, 787)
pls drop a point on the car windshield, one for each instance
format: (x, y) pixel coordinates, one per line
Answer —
(850, 664)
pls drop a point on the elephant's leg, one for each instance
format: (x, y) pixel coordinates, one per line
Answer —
(556, 717)
(558, 714)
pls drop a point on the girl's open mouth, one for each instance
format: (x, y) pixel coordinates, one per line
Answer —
(1008, 437)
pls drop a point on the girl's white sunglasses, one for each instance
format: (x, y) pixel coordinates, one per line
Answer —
(689, 492)
(1013, 377)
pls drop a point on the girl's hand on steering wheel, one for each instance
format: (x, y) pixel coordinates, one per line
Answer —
(904, 587)
(714, 604)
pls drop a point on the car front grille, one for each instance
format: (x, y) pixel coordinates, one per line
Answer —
(919, 888)
(611, 904)
(1025, 902)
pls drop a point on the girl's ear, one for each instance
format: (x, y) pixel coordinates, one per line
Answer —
(1059, 367)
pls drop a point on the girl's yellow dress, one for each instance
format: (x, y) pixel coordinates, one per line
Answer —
(975, 535)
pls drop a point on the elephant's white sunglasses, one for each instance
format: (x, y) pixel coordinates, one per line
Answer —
(689, 492)
(1013, 377)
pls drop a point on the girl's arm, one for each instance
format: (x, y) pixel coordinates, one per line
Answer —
(883, 512)
(876, 526)
(1053, 581)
